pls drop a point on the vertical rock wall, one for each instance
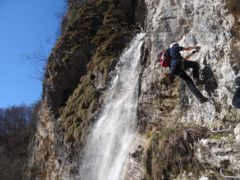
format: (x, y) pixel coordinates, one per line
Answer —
(208, 24)
(213, 25)
(204, 136)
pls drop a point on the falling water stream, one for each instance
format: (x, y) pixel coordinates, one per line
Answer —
(107, 146)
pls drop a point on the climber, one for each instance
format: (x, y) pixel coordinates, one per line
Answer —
(179, 64)
(236, 97)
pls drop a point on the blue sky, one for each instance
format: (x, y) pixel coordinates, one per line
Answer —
(27, 27)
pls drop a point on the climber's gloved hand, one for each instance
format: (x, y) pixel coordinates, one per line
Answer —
(197, 48)
(194, 51)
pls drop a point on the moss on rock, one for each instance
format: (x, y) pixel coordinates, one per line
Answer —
(170, 151)
(92, 41)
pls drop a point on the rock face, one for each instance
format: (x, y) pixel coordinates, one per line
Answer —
(94, 33)
(213, 25)
(209, 25)
(179, 138)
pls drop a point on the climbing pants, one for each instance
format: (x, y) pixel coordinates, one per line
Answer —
(236, 98)
(177, 69)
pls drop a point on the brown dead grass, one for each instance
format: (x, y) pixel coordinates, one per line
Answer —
(234, 8)
(171, 151)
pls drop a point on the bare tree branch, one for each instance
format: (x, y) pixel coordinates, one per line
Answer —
(39, 60)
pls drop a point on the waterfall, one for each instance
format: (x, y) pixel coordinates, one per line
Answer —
(107, 145)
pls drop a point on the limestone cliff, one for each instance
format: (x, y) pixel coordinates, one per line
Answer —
(168, 113)
(178, 138)
(94, 33)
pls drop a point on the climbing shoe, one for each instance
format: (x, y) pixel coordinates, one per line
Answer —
(198, 82)
(237, 82)
(203, 99)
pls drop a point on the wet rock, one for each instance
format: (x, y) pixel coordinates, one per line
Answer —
(134, 168)
(94, 34)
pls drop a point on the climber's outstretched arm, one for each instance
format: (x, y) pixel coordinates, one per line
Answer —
(191, 48)
(188, 56)
(197, 48)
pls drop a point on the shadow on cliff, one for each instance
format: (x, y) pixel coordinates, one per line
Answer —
(210, 86)
(209, 79)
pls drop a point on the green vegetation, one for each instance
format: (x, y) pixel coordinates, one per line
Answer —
(33, 170)
(94, 36)
(170, 151)
(76, 114)
(216, 136)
